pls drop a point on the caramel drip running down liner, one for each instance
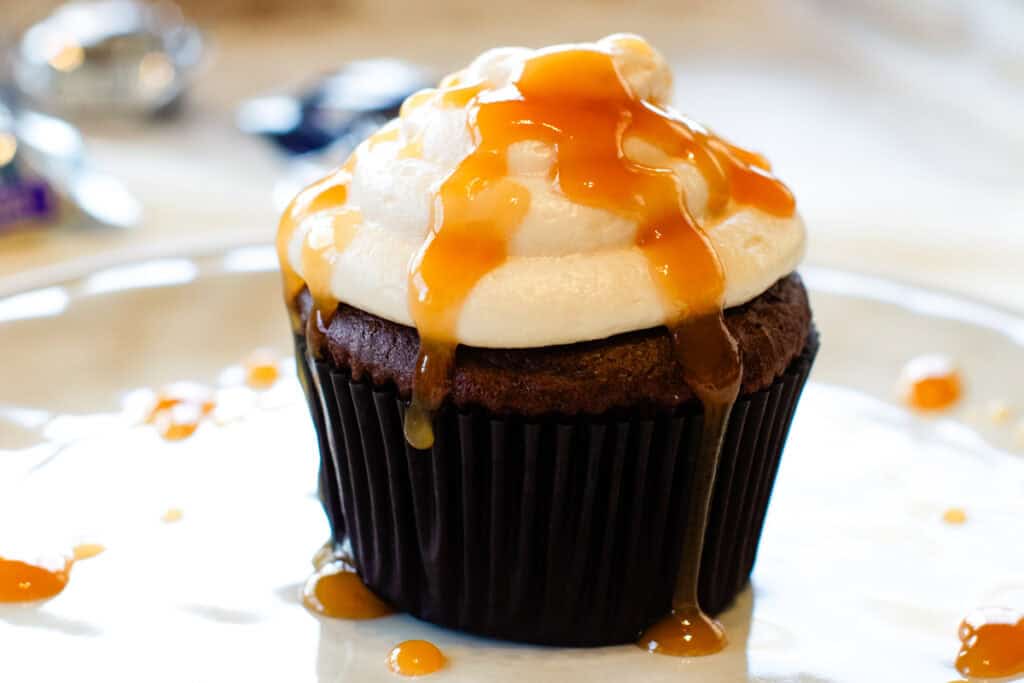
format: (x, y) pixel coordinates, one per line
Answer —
(574, 100)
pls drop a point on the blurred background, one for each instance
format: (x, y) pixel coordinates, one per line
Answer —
(899, 125)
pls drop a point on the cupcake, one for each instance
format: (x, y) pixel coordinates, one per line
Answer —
(552, 340)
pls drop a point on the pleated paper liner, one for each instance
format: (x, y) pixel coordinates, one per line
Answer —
(553, 531)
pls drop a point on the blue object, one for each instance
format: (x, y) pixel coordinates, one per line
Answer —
(341, 109)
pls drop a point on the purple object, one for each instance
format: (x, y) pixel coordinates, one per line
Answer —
(26, 200)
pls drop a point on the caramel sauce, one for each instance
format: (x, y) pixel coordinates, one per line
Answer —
(86, 551)
(323, 195)
(388, 133)
(954, 516)
(172, 515)
(178, 409)
(574, 100)
(931, 383)
(992, 644)
(326, 554)
(415, 658)
(24, 582)
(685, 632)
(412, 149)
(326, 239)
(335, 590)
(713, 369)
(261, 369)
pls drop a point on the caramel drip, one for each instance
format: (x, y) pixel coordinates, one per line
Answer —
(328, 236)
(992, 644)
(24, 582)
(431, 381)
(415, 658)
(712, 366)
(335, 590)
(325, 194)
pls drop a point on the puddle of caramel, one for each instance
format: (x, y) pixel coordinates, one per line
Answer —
(992, 644)
(931, 383)
(415, 658)
(24, 582)
(685, 632)
(261, 369)
(335, 590)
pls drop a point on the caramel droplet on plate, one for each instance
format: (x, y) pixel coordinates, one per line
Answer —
(415, 658)
(954, 516)
(24, 582)
(261, 369)
(336, 590)
(172, 515)
(992, 644)
(178, 409)
(931, 383)
(685, 632)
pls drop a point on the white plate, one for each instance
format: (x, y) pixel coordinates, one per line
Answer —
(858, 577)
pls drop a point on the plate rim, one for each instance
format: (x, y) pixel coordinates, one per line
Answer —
(868, 285)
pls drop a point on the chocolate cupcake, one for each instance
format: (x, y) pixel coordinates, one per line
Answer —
(552, 342)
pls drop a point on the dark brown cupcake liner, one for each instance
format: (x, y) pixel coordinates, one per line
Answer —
(560, 531)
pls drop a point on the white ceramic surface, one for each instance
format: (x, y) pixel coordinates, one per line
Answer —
(858, 578)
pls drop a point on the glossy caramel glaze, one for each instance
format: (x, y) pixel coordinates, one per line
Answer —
(415, 658)
(335, 590)
(992, 644)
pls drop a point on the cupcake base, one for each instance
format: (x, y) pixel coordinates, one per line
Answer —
(552, 530)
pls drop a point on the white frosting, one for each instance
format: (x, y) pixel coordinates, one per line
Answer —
(573, 272)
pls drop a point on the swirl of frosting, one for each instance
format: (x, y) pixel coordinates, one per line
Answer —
(534, 241)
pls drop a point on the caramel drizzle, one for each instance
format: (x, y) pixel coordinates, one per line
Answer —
(574, 100)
